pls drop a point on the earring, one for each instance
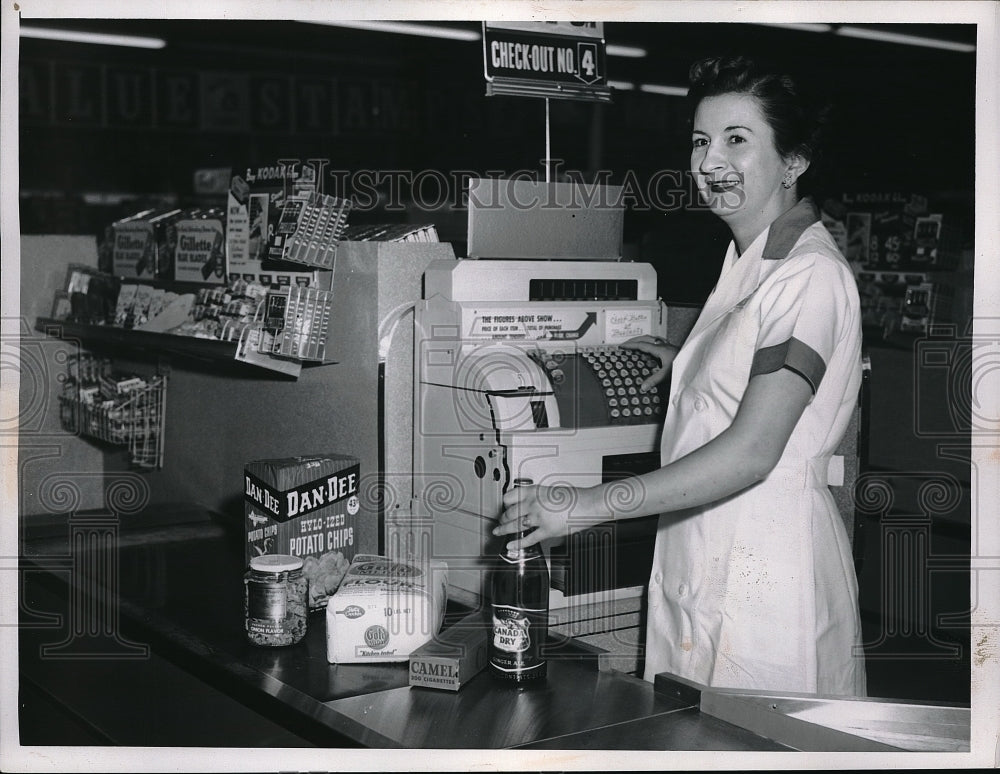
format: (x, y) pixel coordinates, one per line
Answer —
(787, 180)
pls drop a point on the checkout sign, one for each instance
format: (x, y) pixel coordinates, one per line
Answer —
(546, 59)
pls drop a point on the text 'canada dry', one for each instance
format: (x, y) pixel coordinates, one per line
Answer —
(520, 605)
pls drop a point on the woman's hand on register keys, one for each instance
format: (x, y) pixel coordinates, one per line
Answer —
(658, 348)
(545, 512)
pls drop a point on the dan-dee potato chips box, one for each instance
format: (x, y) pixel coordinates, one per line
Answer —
(308, 507)
(385, 609)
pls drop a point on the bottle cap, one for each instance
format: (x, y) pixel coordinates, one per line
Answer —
(276, 563)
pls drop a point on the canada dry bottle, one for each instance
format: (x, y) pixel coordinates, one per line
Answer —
(520, 606)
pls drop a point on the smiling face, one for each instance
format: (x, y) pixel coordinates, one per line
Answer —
(737, 167)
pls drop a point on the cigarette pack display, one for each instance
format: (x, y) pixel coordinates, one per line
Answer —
(307, 507)
(385, 609)
(453, 657)
(305, 324)
(309, 230)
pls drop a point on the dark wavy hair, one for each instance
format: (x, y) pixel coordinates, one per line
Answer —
(799, 120)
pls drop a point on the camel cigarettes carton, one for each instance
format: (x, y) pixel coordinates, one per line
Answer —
(453, 657)
(308, 507)
(384, 610)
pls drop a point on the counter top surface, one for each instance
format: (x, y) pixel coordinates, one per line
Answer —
(180, 590)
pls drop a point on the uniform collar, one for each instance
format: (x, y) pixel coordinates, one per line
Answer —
(742, 277)
(786, 229)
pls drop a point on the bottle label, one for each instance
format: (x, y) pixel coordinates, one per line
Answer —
(511, 630)
(517, 639)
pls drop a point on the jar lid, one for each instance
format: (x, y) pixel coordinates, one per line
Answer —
(276, 563)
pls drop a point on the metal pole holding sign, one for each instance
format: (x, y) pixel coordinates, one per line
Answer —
(548, 145)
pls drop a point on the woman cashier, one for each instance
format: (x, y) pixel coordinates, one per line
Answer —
(752, 583)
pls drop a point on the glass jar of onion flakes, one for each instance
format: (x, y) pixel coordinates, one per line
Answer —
(276, 600)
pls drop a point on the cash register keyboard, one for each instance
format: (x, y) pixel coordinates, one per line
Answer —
(600, 386)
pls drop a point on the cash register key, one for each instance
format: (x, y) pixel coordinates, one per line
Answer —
(558, 375)
(626, 412)
(618, 382)
(645, 400)
(615, 413)
(622, 392)
(647, 411)
(635, 400)
(605, 382)
(610, 392)
(612, 402)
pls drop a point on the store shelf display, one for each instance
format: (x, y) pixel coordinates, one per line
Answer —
(121, 409)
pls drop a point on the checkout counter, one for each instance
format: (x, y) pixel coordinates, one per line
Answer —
(156, 657)
(138, 635)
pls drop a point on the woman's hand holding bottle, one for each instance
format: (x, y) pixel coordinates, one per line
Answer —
(544, 512)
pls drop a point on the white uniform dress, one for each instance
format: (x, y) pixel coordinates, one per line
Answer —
(758, 590)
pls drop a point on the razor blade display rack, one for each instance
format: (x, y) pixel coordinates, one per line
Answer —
(134, 418)
(292, 323)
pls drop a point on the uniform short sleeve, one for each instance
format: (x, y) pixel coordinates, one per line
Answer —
(803, 309)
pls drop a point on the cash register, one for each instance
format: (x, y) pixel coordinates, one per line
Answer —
(519, 374)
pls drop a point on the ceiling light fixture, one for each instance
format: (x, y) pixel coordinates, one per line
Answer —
(630, 52)
(804, 26)
(885, 36)
(406, 28)
(97, 38)
(671, 91)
